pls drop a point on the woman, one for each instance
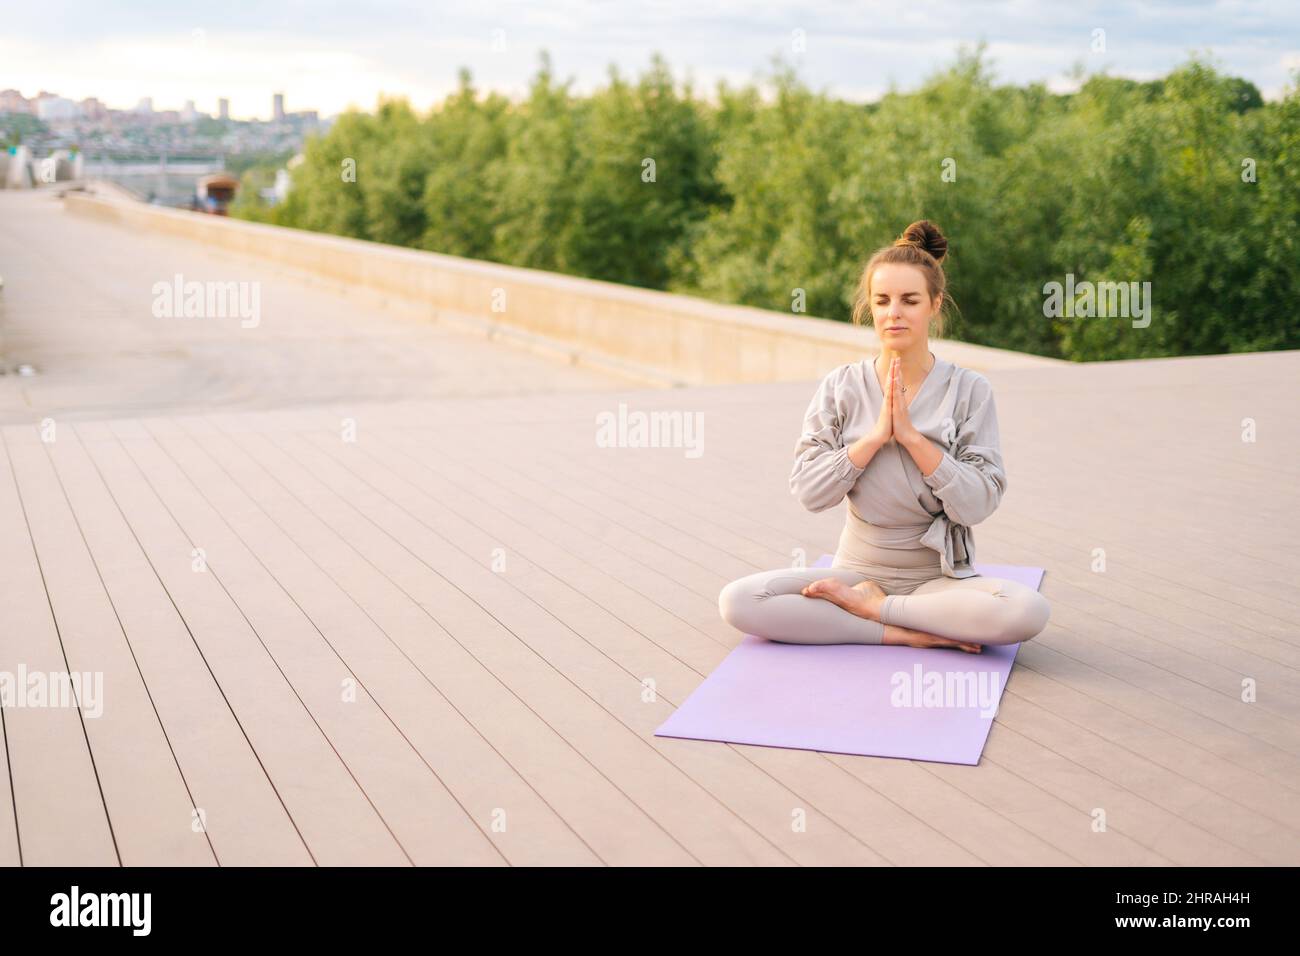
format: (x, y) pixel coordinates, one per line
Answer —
(912, 440)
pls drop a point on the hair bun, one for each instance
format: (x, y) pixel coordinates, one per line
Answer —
(925, 235)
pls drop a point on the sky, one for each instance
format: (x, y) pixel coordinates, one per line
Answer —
(328, 55)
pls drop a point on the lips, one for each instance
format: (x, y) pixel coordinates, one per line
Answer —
(896, 328)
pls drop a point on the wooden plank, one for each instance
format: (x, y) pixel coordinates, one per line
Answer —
(450, 691)
(1218, 629)
(678, 587)
(61, 815)
(605, 716)
(452, 831)
(1226, 811)
(426, 821)
(503, 690)
(242, 815)
(146, 797)
(1166, 733)
(10, 851)
(338, 823)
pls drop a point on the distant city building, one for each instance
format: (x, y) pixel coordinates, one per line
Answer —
(223, 109)
(11, 101)
(149, 152)
(55, 108)
(277, 106)
(92, 109)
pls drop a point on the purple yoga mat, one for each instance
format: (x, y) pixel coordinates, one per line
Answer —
(884, 701)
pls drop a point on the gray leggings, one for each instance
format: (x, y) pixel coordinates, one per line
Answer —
(982, 610)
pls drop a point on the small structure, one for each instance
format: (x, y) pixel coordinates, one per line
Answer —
(214, 193)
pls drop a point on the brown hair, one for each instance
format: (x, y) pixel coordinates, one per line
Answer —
(923, 245)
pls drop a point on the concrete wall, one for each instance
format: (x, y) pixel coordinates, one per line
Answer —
(664, 338)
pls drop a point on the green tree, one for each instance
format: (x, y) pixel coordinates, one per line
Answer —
(1189, 182)
(469, 143)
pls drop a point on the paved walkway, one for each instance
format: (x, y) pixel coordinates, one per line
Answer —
(78, 306)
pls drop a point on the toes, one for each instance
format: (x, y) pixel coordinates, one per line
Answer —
(820, 588)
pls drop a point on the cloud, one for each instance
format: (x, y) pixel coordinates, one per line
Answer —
(326, 54)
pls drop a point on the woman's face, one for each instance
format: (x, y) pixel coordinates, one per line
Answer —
(900, 306)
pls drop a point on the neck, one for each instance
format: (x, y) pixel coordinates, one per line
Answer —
(915, 364)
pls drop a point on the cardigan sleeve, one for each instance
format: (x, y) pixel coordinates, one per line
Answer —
(823, 474)
(970, 479)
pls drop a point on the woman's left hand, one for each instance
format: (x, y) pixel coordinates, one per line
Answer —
(904, 430)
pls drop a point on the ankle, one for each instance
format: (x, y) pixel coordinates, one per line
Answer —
(880, 608)
(874, 604)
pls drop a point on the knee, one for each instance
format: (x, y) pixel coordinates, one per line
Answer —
(735, 600)
(732, 601)
(1029, 615)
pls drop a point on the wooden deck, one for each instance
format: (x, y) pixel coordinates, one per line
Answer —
(429, 645)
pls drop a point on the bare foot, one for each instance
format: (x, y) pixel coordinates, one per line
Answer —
(875, 595)
(863, 599)
(911, 638)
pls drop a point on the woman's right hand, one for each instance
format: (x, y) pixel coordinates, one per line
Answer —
(884, 429)
(864, 449)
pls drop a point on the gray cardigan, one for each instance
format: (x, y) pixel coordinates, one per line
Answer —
(954, 409)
